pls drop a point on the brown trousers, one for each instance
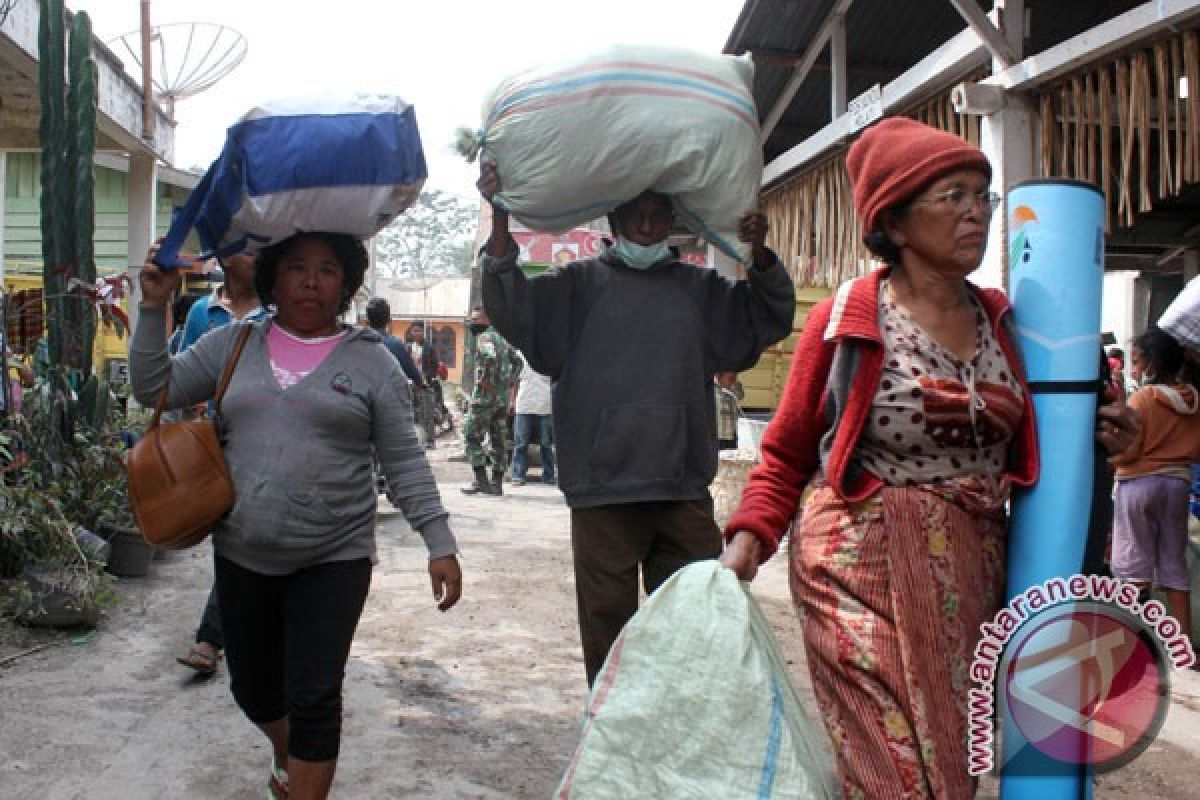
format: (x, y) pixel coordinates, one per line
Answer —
(610, 543)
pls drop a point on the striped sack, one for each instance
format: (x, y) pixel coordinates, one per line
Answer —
(573, 141)
(695, 701)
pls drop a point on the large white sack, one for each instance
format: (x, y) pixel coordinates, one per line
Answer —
(695, 701)
(1182, 317)
(572, 141)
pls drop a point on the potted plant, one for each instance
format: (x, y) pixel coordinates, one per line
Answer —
(49, 574)
(79, 446)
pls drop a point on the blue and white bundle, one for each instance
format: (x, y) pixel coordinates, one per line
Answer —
(343, 164)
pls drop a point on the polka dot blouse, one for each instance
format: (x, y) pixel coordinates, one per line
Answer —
(935, 417)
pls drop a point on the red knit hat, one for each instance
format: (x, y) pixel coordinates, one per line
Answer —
(897, 158)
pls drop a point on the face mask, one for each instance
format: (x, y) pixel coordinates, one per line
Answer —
(478, 328)
(639, 256)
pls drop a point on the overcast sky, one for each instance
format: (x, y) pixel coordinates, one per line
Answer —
(443, 56)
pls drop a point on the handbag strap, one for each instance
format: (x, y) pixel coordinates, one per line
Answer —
(230, 365)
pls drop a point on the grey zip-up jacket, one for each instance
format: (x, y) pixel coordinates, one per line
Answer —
(632, 354)
(301, 457)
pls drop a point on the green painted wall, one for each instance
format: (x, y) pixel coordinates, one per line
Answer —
(22, 228)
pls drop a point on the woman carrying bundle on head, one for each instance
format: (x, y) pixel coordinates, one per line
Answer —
(310, 402)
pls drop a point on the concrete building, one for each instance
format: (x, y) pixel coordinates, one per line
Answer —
(441, 307)
(136, 190)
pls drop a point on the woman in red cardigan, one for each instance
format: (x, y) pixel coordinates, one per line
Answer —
(905, 422)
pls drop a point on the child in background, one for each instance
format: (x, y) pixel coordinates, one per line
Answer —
(1154, 475)
(1116, 365)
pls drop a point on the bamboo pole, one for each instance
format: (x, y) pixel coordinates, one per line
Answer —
(1139, 96)
(1065, 133)
(1162, 84)
(1191, 60)
(1106, 145)
(1181, 155)
(1080, 167)
(1046, 149)
(1125, 128)
(1089, 91)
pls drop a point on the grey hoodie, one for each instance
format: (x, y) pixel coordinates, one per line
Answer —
(300, 458)
(632, 354)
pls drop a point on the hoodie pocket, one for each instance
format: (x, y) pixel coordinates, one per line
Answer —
(640, 443)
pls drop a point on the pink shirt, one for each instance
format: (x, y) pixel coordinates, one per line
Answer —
(293, 358)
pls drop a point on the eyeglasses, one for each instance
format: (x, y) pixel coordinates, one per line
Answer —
(961, 201)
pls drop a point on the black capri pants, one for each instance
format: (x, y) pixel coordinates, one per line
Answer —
(287, 639)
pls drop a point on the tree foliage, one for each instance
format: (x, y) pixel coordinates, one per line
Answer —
(433, 239)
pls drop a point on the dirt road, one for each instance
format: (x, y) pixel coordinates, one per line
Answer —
(482, 702)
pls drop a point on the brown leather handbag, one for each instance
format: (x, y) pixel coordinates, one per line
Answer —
(179, 483)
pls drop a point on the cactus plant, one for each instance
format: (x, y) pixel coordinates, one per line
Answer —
(81, 176)
(53, 198)
(68, 132)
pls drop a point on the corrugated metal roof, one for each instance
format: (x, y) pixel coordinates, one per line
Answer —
(884, 38)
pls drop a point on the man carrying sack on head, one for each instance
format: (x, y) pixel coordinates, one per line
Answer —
(631, 340)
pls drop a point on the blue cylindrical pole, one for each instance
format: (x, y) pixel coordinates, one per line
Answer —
(1056, 269)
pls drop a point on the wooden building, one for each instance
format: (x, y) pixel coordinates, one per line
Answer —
(1096, 90)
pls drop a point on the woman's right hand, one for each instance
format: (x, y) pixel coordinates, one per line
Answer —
(158, 285)
(742, 555)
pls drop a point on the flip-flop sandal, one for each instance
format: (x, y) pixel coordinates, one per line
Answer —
(277, 784)
(204, 664)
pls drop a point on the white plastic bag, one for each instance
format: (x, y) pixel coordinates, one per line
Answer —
(695, 701)
(1182, 317)
(574, 140)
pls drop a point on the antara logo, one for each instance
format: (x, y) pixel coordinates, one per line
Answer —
(1019, 224)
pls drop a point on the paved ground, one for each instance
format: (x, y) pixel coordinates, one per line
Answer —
(482, 702)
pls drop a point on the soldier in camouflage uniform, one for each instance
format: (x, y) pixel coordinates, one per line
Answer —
(496, 367)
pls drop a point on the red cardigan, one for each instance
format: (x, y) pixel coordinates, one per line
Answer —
(797, 441)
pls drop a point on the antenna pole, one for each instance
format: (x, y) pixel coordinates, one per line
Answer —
(147, 77)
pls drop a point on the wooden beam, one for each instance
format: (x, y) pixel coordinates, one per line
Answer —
(3, 210)
(1095, 44)
(1170, 255)
(800, 74)
(20, 139)
(1151, 240)
(839, 78)
(1011, 21)
(870, 71)
(119, 162)
(790, 58)
(999, 47)
(118, 98)
(953, 59)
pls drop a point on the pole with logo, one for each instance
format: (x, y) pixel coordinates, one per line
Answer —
(1056, 269)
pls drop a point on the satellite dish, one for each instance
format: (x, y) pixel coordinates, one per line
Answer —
(187, 57)
(6, 7)
(415, 284)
